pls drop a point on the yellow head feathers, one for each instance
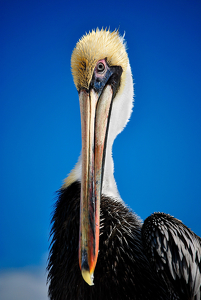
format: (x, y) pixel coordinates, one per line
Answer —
(90, 49)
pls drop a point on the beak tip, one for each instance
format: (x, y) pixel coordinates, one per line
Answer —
(88, 277)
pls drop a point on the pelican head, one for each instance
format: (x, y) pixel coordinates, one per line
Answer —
(102, 76)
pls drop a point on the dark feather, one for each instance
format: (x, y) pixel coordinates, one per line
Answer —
(175, 253)
(122, 271)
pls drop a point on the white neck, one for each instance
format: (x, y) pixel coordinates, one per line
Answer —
(109, 187)
(121, 111)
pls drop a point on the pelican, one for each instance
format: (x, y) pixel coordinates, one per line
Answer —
(100, 249)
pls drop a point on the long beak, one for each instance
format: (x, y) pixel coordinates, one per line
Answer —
(95, 112)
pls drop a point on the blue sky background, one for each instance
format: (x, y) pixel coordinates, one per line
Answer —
(157, 157)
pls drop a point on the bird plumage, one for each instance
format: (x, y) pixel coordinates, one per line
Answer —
(174, 252)
(122, 271)
(91, 48)
(160, 259)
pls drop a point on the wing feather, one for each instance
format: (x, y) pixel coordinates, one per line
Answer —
(175, 252)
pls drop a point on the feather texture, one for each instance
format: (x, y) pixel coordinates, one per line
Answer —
(122, 271)
(175, 253)
(90, 49)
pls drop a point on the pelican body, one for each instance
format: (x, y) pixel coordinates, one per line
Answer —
(100, 249)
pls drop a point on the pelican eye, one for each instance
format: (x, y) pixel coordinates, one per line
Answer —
(100, 67)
